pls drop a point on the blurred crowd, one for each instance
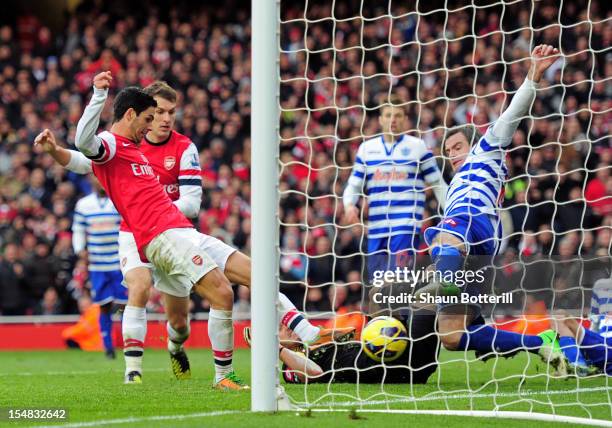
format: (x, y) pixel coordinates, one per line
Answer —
(336, 67)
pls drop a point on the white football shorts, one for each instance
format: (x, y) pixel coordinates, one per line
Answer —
(182, 256)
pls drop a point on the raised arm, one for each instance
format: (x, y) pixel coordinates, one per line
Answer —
(542, 57)
(70, 159)
(86, 140)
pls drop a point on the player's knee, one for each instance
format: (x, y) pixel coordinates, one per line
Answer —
(451, 341)
(217, 289)
(180, 324)
(225, 295)
(139, 288)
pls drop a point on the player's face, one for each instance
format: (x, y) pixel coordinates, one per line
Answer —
(142, 124)
(165, 116)
(457, 148)
(391, 120)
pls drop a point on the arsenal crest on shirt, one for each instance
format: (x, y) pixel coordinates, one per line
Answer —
(169, 162)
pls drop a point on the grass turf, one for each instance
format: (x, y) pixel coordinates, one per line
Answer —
(91, 388)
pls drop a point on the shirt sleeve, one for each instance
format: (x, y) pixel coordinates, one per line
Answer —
(190, 183)
(79, 234)
(91, 145)
(356, 181)
(500, 133)
(79, 163)
(429, 168)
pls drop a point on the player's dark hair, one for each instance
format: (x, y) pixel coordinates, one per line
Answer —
(469, 131)
(161, 89)
(131, 97)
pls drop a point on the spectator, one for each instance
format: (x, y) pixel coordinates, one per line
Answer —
(45, 79)
(11, 282)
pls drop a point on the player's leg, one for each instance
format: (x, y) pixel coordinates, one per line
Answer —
(102, 294)
(106, 329)
(138, 279)
(237, 268)
(177, 326)
(134, 325)
(596, 348)
(215, 287)
(120, 298)
(571, 333)
(178, 254)
(458, 332)
(448, 254)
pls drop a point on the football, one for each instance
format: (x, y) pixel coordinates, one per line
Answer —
(384, 339)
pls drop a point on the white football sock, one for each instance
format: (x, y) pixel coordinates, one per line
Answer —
(134, 329)
(292, 319)
(176, 339)
(221, 334)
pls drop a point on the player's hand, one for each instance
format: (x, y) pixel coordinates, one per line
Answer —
(103, 80)
(46, 141)
(351, 216)
(542, 57)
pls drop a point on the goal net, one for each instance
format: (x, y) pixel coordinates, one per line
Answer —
(442, 64)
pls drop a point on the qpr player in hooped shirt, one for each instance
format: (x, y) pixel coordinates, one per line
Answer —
(391, 172)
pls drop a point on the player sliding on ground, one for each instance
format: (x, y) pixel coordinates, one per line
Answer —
(409, 357)
(471, 225)
(175, 161)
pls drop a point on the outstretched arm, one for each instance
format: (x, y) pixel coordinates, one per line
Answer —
(86, 140)
(70, 159)
(303, 367)
(542, 57)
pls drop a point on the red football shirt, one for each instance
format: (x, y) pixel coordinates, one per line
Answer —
(175, 163)
(131, 183)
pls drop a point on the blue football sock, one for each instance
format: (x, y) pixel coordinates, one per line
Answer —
(597, 349)
(571, 351)
(106, 326)
(488, 339)
(447, 259)
(590, 338)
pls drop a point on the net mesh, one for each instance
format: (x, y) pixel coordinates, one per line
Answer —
(450, 63)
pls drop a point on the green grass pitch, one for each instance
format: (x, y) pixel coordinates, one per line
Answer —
(91, 388)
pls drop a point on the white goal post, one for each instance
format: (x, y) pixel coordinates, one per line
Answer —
(264, 203)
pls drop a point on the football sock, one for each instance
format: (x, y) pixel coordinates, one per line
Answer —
(447, 259)
(221, 334)
(571, 351)
(484, 338)
(595, 347)
(175, 338)
(295, 321)
(134, 329)
(106, 330)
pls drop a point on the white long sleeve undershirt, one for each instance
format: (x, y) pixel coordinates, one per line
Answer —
(505, 127)
(86, 139)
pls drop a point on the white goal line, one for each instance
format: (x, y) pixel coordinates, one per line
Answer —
(461, 396)
(488, 414)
